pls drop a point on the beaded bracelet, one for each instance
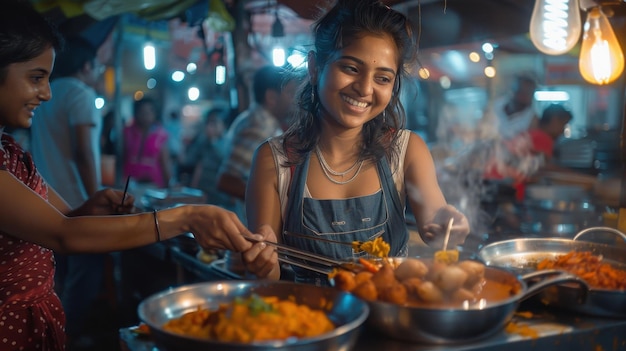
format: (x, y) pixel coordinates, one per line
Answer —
(156, 224)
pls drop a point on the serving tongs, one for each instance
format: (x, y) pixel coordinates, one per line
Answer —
(307, 260)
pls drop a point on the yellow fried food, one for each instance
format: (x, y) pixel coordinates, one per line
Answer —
(253, 320)
(447, 257)
(377, 247)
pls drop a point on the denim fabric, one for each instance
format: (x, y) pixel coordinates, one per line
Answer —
(361, 218)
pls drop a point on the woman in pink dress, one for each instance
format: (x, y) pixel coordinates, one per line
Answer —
(146, 156)
(35, 220)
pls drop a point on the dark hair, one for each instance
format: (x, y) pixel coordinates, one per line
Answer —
(146, 100)
(24, 34)
(72, 58)
(268, 78)
(346, 21)
(554, 111)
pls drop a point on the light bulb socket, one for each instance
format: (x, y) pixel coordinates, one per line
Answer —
(588, 4)
(278, 30)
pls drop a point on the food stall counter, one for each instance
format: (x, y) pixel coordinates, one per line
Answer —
(533, 328)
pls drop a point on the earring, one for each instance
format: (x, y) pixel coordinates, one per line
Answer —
(312, 94)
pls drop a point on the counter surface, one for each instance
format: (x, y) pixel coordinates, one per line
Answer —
(556, 330)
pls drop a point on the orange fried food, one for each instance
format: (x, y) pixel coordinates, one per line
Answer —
(366, 290)
(253, 319)
(589, 267)
(345, 280)
(377, 247)
(395, 293)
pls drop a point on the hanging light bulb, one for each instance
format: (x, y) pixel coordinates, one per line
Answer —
(601, 59)
(278, 51)
(555, 26)
(149, 56)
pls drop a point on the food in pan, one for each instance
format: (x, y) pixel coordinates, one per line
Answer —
(590, 267)
(447, 256)
(424, 283)
(254, 319)
(377, 247)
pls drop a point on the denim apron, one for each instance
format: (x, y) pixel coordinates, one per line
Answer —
(361, 218)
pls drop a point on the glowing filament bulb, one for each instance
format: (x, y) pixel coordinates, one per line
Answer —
(555, 26)
(601, 59)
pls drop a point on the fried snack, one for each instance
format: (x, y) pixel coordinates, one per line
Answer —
(255, 319)
(589, 267)
(377, 247)
(447, 256)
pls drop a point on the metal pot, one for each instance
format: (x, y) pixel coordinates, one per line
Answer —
(522, 256)
(460, 325)
(348, 314)
(559, 210)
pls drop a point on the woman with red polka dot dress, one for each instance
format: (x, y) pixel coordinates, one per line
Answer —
(35, 220)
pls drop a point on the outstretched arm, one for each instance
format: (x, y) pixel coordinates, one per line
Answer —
(29, 217)
(426, 198)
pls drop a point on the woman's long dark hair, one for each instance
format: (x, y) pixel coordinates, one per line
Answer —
(24, 34)
(346, 21)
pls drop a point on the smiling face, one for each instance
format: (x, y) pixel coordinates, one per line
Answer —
(25, 87)
(357, 83)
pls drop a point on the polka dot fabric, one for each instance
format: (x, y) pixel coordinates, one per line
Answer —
(31, 315)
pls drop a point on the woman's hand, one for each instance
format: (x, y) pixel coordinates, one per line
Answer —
(106, 202)
(433, 233)
(217, 228)
(262, 259)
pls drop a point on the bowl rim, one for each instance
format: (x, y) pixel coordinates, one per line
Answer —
(338, 330)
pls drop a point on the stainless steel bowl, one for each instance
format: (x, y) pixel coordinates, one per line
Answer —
(347, 313)
(464, 324)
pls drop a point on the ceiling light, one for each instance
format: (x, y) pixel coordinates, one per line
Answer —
(555, 26)
(601, 59)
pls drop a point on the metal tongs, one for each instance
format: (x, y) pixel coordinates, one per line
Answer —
(307, 260)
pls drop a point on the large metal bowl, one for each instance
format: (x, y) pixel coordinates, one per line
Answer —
(465, 324)
(347, 313)
(522, 255)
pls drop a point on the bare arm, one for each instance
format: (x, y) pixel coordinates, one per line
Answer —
(422, 185)
(84, 158)
(211, 225)
(232, 186)
(263, 213)
(427, 201)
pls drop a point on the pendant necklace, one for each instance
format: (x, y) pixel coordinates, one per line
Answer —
(328, 171)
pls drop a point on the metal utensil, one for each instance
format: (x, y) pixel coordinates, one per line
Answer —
(307, 260)
(354, 244)
(463, 325)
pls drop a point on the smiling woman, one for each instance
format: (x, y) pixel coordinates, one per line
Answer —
(344, 168)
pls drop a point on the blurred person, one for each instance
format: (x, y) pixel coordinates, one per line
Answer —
(208, 151)
(531, 152)
(346, 166)
(146, 154)
(273, 92)
(174, 128)
(36, 221)
(66, 148)
(512, 113)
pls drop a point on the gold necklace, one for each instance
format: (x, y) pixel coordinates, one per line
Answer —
(328, 171)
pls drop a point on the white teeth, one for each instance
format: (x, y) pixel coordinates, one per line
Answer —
(356, 103)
